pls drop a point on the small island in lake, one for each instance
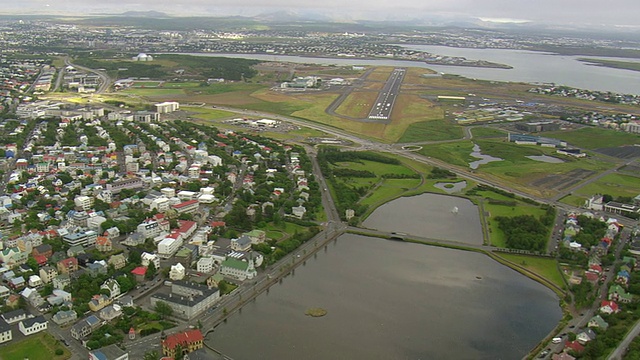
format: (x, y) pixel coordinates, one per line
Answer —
(316, 312)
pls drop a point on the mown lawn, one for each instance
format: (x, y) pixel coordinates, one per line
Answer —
(595, 138)
(497, 236)
(378, 168)
(434, 130)
(454, 153)
(612, 184)
(357, 104)
(390, 189)
(41, 346)
(545, 267)
(207, 113)
(155, 92)
(487, 132)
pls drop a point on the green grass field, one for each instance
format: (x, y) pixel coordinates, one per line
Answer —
(497, 237)
(181, 85)
(286, 229)
(357, 104)
(155, 92)
(515, 169)
(220, 88)
(434, 130)
(454, 153)
(629, 65)
(595, 138)
(487, 132)
(207, 113)
(612, 184)
(390, 189)
(41, 346)
(378, 168)
(544, 267)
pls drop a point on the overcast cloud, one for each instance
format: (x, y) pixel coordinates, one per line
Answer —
(597, 12)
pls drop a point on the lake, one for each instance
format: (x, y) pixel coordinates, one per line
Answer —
(430, 216)
(393, 300)
(528, 66)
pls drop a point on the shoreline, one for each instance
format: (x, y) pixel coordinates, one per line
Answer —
(483, 64)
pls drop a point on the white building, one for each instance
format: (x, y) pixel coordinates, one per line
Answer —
(142, 57)
(238, 269)
(113, 286)
(34, 325)
(168, 192)
(161, 204)
(94, 222)
(168, 247)
(150, 258)
(84, 202)
(86, 238)
(35, 281)
(206, 199)
(185, 195)
(206, 264)
(177, 272)
(149, 229)
(5, 332)
(167, 107)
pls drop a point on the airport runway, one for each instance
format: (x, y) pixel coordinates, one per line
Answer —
(383, 106)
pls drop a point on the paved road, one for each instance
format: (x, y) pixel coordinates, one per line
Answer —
(620, 351)
(104, 78)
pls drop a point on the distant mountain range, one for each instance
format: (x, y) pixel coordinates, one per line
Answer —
(145, 14)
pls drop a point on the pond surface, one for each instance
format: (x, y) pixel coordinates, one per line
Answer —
(431, 216)
(484, 159)
(393, 300)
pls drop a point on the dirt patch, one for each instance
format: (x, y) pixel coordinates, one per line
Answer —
(621, 152)
(561, 182)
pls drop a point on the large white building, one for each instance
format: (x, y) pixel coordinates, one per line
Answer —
(84, 202)
(33, 325)
(86, 238)
(169, 246)
(150, 258)
(206, 264)
(167, 107)
(5, 332)
(177, 272)
(188, 300)
(149, 229)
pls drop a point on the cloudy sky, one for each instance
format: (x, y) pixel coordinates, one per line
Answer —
(596, 12)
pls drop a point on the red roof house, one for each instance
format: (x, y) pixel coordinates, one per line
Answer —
(189, 341)
(608, 307)
(139, 273)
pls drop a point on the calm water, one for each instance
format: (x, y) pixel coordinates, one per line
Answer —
(539, 67)
(393, 300)
(483, 159)
(431, 216)
(528, 66)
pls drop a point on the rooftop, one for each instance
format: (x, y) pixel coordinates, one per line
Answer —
(183, 338)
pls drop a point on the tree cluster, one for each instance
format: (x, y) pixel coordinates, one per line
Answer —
(440, 173)
(523, 232)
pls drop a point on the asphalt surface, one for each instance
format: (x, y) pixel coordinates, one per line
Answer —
(383, 106)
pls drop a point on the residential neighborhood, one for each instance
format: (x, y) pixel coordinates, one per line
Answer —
(111, 214)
